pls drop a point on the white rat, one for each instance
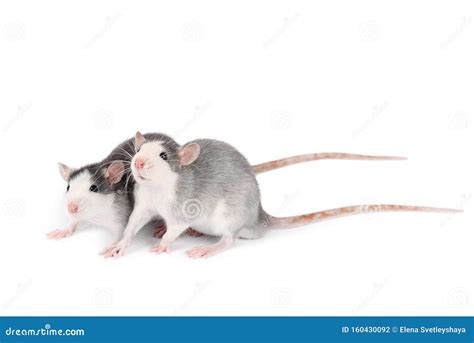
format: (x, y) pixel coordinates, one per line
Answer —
(210, 186)
(99, 193)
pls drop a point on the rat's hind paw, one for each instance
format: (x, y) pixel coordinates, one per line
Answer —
(114, 250)
(200, 252)
(193, 233)
(160, 230)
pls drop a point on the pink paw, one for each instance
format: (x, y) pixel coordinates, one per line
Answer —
(193, 233)
(200, 252)
(159, 231)
(60, 234)
(158, 249)
(115, 250)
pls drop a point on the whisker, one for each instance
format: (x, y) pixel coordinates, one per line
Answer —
(132, 146)
(126, 183)
(99, 168)
(128, 158)
(125, 152)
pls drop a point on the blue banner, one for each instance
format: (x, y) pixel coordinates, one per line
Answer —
(237, 329)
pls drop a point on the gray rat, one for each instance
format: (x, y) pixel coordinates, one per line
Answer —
(102, 193)
(210, 186)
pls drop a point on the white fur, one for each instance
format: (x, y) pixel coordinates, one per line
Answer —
(94, 208)
(157, 172)
(154, 194)
(216, 221)
(147, 191)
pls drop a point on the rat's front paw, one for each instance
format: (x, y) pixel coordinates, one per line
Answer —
(115, 250)
(59, 234)
(159, 249)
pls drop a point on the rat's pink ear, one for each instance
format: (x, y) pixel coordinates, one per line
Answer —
(114, 172)
(139, 140)
(64, 170)
(189, 153)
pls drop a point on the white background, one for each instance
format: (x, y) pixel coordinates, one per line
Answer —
(273, 78)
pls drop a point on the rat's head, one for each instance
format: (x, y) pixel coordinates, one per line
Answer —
(159, 158)
(91, 188)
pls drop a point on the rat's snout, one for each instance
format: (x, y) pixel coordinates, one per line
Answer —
(72, 207)
(139, 163)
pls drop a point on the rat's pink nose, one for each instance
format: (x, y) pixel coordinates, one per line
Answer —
(72, 207)
(139, 163)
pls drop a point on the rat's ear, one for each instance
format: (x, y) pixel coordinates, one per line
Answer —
(114, 173)
(139, 140)
(188, 153)
(64, 170)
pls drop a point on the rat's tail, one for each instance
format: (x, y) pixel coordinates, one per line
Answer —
(290, 222)
(284, 162)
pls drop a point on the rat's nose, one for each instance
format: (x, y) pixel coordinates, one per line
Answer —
(72, 207)
(139, 163)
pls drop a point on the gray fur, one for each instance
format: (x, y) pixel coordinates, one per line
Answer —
(218, 182)
(220, 173)
(123, 190)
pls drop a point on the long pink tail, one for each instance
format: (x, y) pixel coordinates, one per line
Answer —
(294, 221)
(284, 162)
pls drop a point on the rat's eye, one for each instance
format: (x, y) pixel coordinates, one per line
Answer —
(164, 156)
(67, 188)
(94, 188)
(137, 149)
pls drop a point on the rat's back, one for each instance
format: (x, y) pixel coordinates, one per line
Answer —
(222, 181)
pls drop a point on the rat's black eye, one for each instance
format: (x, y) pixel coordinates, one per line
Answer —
(164, 156)
(137, 149)
(94, 188)
(67, 188)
